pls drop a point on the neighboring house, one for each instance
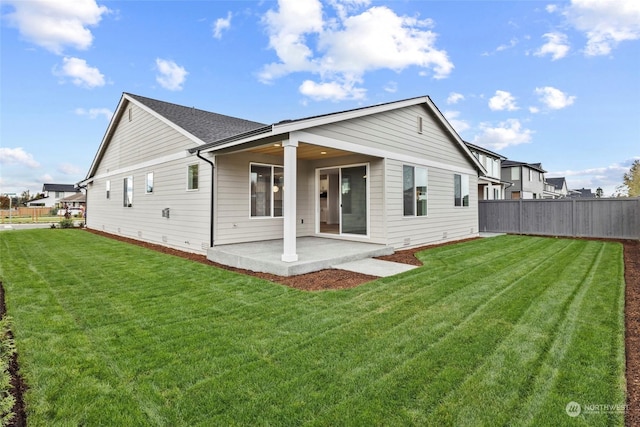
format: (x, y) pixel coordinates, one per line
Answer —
(490, 186)
(582, 193)
(558, 186)
(77, 200)
(527, 178)
(53, 193)
(395, 174)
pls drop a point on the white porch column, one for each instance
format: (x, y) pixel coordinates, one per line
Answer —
(489, 191)
(289, 204)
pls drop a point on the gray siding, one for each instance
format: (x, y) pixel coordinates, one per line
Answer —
(604, 218)
(396, 131)
(146, 141)
(142, 138)
(443, 222)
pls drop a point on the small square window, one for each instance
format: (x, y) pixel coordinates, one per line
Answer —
(419, 124)
(108, 189)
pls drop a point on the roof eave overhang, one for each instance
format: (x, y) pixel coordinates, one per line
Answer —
(113, 124)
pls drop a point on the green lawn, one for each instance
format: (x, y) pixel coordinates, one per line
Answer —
(507, 330)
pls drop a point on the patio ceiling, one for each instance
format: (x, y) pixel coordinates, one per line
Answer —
(305, 151)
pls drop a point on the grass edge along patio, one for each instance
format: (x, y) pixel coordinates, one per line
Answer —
(507, 330)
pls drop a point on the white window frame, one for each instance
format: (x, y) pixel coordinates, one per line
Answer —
(148, 189)
(273, 185)
(458, 202)
(127, 193)
(414, 204)
(189, 177)
(108, 189)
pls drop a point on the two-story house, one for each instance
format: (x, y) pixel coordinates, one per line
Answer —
(490, 186)
(527, 179)
(53, 194)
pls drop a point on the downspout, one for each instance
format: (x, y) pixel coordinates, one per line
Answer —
(212, 193)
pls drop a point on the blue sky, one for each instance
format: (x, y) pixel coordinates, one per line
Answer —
(537, 81)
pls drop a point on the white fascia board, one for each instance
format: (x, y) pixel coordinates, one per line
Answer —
(166, 121)
(346, 115)
(113, 123)
(376, 152)
(455, 135)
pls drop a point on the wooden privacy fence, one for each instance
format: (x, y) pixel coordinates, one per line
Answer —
(617, 218)
(23, 212)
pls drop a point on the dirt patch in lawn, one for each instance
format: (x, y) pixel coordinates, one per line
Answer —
(333, 279)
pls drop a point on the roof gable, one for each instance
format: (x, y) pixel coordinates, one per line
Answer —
(201, 127)
(204, 125)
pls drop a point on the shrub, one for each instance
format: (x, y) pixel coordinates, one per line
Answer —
(66, 223)
(7, 350)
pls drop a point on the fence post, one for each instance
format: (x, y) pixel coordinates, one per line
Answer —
(520, 214)
(574, 209)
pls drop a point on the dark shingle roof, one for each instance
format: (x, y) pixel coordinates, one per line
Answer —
(510, 163)
(67, 188)
(556, 182)
(206, 126)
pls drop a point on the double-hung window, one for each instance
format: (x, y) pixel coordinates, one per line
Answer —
(267, 182)
(414, 190)
(108, 189)
(460, 190)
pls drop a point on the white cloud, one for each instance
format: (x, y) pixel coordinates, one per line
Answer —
(506, 134)
(554, 98)
(220, 25)
(391, 87)
(80, 73)
(557, 46)
(54, 25)
(69, 169)
(502, 100)
(172, 76)
(333, 91)
(458, 124)
(534, 110)
(606, 177)
(605, 23)
(17, 156)
(454, 98)
(93, 113)
(341, 49)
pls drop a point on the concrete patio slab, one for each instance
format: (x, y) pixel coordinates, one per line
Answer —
(375, 267)
(314, 254)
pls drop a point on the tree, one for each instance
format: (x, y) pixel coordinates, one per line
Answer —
(631, 179)
(599, 192)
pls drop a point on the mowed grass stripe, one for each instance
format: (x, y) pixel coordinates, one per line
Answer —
(443, 361)
(495, 391)
(199, 346)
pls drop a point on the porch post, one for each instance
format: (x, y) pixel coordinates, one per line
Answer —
(289, 204)
(489, 191)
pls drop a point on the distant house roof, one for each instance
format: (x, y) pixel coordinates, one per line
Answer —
(558, 183)
(206, 126)
(67, 188)
(512, 163)
(484, 150)
(74, 198)
(584, 193)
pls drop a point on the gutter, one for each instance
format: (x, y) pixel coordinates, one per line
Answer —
(212, 194)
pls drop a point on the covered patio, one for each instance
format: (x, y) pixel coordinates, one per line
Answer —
(314, 254)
